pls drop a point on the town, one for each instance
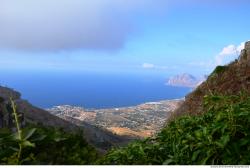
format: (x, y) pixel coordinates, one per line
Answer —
(140, 121)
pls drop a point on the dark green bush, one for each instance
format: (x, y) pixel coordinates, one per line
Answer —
(48, 146)
(219, 136)
(36, 144)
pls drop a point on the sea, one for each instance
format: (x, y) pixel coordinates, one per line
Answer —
(88, 89)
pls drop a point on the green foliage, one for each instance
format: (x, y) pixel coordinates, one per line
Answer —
(218, 70)
(219, 136)
(12, 145)
(43, 145)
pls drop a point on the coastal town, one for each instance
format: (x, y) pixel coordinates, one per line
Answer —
(139, 121)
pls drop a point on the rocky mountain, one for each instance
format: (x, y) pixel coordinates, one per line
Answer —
(228, 80)
(100, 138)
(184, 80)
(136, 122)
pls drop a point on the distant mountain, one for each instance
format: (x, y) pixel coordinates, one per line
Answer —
(184, 80)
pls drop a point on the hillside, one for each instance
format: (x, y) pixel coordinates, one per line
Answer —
(100, 138)
(210, 127)
(227, 80)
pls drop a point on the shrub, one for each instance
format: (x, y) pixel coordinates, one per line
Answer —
(219, 136)
(36, 144)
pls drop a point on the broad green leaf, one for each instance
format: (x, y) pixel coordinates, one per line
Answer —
(168, 161)
(27, 143)
(195, 155)
(28, 133)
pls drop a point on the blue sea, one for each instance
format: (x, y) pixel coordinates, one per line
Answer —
(89, 90)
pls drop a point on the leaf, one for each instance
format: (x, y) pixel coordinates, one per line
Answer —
(14, 149)
(225, 139)
(204, 161)
(28, 133)
(27, 144)
(195, 155)
(39, 137)
(168, 161)
(243, 142)
(198, 134)
(14, 137)
(244, 113)
(58, 139)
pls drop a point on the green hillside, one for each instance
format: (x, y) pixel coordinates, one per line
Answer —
(219, 136)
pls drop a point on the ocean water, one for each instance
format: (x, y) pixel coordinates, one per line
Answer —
(89, 90)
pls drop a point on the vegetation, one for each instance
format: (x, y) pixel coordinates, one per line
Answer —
(41, 145)
(219, 136)
(218, 70)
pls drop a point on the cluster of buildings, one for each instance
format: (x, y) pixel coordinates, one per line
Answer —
(145, 117)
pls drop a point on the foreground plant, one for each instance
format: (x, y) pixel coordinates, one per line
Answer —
(12, 144)
(36, 144)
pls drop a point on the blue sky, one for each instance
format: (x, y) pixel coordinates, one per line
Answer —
(164, 37)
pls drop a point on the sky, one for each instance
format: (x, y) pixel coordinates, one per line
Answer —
(164, 37)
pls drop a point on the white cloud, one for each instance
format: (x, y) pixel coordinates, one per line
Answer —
(229, 50)
(148, 66)
(157, 67)
(228, 53)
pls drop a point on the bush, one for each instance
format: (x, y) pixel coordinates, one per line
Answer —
(36, 144)
(219, 136)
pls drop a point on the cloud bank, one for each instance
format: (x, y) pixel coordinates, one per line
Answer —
(70, 24)
(52, 25)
